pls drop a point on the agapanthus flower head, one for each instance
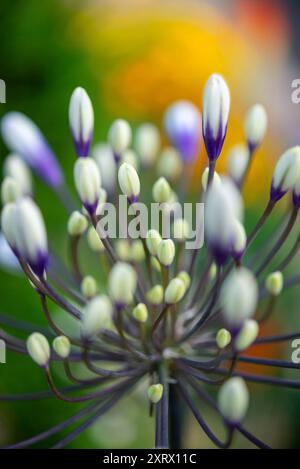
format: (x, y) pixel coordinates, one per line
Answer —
(23, 137)
(215, 114)
(81, 120)
(182, 123)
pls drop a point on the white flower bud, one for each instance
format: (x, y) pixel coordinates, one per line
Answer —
(8, 224)
(238, 158)
(15, 167)
(239, 296)
(87, 181)
(155, 392)
(255, 125)
(77, 224)
(38, 349)
(239, 240)
(247, 335)
(81, 119)
(94, 241)
(104, 157)
(147, 143)
(204, 179)
(274, 283)
(129, 156)
(233, 400)
(122, 247)
(129, 182)
(152, 240)
(286, 173)
(97, 316)
(223, 338)
(137, 253)
(122, 283)
(119, 137)
(175, 291)
(88, 286)
(140, 313)
(184, 276)
(10, 190)
(62, 346)
(8, 259)
(31, 236)
(216, 106)
(166, 252)
(155, 295)
(170, 164)
(161, 190)
(181, 229)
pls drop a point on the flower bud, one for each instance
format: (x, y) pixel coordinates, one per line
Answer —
(170, 164)
(10, 190)
(137, 253)
(104, 157)
(155, 264)
(31, 236)
(15, 167)
(122, 283)
(129, 156)
(62, 346)
(23, 137)
(247, 335)
(216, 106)
(155, 295)
(255, 126)
(87, 181)
(239, 241)
(94, 241)
(274, 283)
(88, 286)
(239, 296)
(233, 400)
(286, 173)
(204, 180)
(181, 229)
(161, 190)
(213, 271)
(129, 182)
(97, 315)
(223, 338)
(153, 239)
(81, 119)
(119, 137)
(155, 392)
(184, 276)
(38, 349)
(140, 313)
(77, 224)
(8, 259)
(175, 291)
(122, 247)
(147, 143)
(8, 225)
(238, 158)
(182, 124)
(166, 252)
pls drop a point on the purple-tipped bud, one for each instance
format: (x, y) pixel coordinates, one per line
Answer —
(182, 124)
(88, 183)
(81, 118)
(216, 106)
(23, 137)
(286, 174)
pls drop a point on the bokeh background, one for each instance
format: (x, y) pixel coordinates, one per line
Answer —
(135, 57)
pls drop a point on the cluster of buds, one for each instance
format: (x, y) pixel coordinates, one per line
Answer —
(166, 318)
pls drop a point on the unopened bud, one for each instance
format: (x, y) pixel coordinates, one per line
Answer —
(153, 239)
(185, 277)
(286, 173)
(129, 182)
(223, 338)
(155, 264)
(170, 164)
(233, 400)
(97, 316)
(247, 335)
(89, 286)
(38, 348)
(87, 181)
(181, 229)
(137, 253)
(81, 118)
(140, 312)
(15, 167)
(94, 240)
(255, 126)
(175, 291)
(161, 190)
(274, 283)
(155, 295)
(122, 283)
(155, 392)
(10, 190)
(123, 250)
(119, 137)
(238, 158)
(62, 346)
(204, 180)
(77, 224)
(147, 143)
(166, 252)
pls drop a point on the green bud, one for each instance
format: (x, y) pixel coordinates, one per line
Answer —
(38, 348)
(274, 283)
(140, 313)
(155, 295)
(166, 252)
(247, 335)
(77, 224)
(174, 291)
(161, 190)
(223, 338)
(155, 264)
(62, 346)
(122, 283)
(233, 399)
(123, 249)
(94, 241)
(155, 392)
(137, 253)
(170, 164)
(212, 272)
(184, 276)
(181, 229)
(97, 316)
(89, 286)
(152, 240)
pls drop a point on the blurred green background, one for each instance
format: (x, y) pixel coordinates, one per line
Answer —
(134, 58)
